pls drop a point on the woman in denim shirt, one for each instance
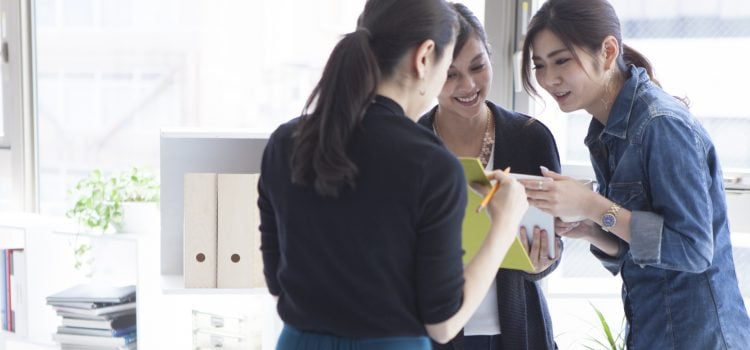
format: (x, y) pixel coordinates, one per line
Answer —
(660, 217)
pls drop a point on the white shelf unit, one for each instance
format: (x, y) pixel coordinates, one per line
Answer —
(12, 238)
(193, 151)
(13, 227)
(119, 259)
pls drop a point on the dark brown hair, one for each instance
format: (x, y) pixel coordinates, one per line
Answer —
(468, 25)
(579, 23)
(386, 31)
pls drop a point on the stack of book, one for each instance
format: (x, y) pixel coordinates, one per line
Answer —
(95, 317)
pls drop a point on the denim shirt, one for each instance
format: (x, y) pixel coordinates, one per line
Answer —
(655, 159)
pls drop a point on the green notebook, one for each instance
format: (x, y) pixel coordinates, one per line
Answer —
(476, 225)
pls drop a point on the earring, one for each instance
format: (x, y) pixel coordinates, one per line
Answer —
(421, 87)
(422, 92)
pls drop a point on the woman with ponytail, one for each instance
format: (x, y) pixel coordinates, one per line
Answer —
(659, 218)
(361, 208)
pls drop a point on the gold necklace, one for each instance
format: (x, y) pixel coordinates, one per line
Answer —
(488, 136)
(488, 140)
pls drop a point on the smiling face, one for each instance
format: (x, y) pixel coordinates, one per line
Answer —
(468, 81)
(574, 85)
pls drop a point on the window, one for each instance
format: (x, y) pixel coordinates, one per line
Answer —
(6, 180)
(3, 141)
(6, 164)
(111, 74)
(16, 172)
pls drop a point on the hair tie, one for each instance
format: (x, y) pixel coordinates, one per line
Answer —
(366, 31)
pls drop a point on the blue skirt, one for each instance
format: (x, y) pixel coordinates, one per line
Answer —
(294, 339)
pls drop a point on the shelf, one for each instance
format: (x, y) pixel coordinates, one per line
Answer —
(12, 238)
(17, 343)
(25, 220)
(17, 219)
(174, 285)
(199, 133)
(10, 340)
(8, 335)
(107, 236)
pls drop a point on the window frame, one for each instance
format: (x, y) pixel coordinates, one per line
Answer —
(18, 104)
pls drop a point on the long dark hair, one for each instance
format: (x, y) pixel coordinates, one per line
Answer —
(579, 23)
(386, 31)
(468, 25)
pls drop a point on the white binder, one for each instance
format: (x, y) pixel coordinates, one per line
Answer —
(200, 230)
(239, 263)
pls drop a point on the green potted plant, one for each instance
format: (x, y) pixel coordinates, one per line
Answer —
(96, 206)
(95, 210)
(124, 202)
(138, 195)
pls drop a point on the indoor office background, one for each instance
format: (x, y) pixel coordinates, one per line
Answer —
(111, 73)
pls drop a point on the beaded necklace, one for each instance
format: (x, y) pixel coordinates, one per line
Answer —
(488, 137)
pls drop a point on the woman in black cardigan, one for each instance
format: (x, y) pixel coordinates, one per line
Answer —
(471, 126)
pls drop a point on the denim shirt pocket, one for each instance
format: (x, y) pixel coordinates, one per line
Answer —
(629, 195)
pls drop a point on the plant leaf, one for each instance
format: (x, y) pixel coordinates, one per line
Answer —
(605, 328)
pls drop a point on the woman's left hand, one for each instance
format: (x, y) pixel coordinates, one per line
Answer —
(561, 197)
(539, 249)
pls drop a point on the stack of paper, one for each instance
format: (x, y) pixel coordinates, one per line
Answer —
(95, 317)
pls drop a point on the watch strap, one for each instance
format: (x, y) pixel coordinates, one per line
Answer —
(609, 219)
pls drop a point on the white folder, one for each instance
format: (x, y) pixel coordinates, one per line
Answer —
(200, 230)
(239, 263)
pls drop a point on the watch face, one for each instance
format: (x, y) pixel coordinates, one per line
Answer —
(608, 220)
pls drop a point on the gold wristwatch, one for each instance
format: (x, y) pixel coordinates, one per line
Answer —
(609, 219)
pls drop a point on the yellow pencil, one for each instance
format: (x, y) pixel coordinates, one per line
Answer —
(489, 195)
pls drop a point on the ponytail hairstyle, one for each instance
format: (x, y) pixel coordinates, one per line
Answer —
(583, 24)
(387, 30)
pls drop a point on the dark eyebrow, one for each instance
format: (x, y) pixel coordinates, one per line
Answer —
(477, 57)
(551, 54)
(473, 60)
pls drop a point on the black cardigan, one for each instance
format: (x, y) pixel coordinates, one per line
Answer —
(384, 257)
(524, 144)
